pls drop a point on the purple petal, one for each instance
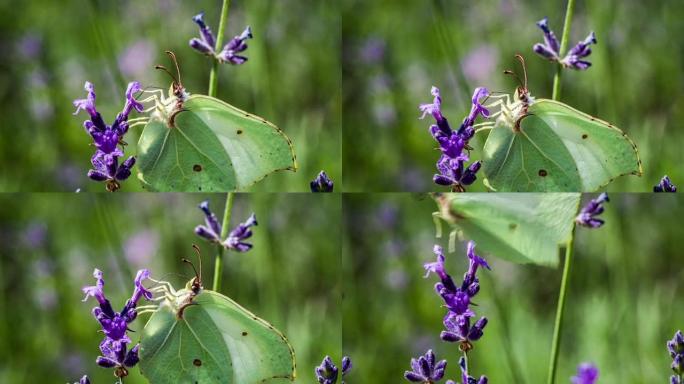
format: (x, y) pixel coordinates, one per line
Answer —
(201, 46)
(205, 31)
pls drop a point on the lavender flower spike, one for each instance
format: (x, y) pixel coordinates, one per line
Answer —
(242, 232)
(229, 53)
(586, 374)
(467, 379)
(346, 367)
(321, 183)
(327, 372)
(665, 185)
(587, 216)
(676, 349)
(425, 369)
(550, 49)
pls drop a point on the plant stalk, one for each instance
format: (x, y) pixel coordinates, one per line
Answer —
(558, 326)
(213, 74)
(563, 47)
(218, 262)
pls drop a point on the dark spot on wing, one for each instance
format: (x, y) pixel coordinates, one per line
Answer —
(512, 226)
(244, 333)
(197, 362)
(584, 136)
(197, 168)
(239, 132)
(543, 173)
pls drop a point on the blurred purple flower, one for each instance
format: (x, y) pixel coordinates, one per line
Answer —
(34, 235)
(665, 185)
(480, 63)
(587, 216)
(30, 46)
(236, 238)
(550, 49)
(141, 246)
(137, 58)
(586, 374)
(373, 50)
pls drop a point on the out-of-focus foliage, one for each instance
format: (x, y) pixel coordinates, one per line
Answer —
(50, 48)
(624, 300)
(51, 243)
(394, 50)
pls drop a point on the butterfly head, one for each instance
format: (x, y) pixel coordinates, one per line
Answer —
(176, 89)
(522, 93)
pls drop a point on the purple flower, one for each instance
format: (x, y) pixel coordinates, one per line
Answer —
(107, 138)
(467, 379)
(242, 232)
(206, 44)
(586, 374)
(550, 50)
(587, 216)
(83, 380)
(321, 183)
(327, 372)
(212, 230)
(665, 185)
(452, 163)
(425, 369)
(676, 349)
(114, 347)
(346, 366)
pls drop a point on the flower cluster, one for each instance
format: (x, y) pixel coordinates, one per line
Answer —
(212, 230)
(207, 43)
(452, 163)
(586, 374)
(107, 138)
(676, 349)
(587, 216)
(114, 347)
(665, 185)
(551, 48)
(457, 321)
(426, 369)
(321, 183)
(327, 372)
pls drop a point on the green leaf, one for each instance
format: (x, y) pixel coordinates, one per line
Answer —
(523, 228)
(213, 341)
(557, 148)
(212, 146)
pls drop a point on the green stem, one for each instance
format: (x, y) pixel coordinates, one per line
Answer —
(563, 47)
(213, 75)
(558, 327)
(218, 262)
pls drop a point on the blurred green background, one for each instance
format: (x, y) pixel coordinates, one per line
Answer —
(395, 50)
(624, 300)
(50, 48)
(52, 242)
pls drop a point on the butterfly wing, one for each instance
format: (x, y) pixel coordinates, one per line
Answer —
(523, 228)
(213, 146)
(215, 341)
(558, 148)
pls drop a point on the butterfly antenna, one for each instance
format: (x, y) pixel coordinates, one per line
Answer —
(509, 72)
(175, 62)
(163, 68)
(524, 67)
(199, 257)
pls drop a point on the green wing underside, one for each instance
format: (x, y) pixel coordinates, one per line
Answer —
(557, 149)
(523, 228)
(216, 341)
(212, 147)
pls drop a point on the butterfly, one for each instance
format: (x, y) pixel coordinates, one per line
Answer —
(199, 143)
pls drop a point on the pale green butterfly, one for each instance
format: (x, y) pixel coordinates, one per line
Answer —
(200, 143)
(545, 145)
(519, 227)
(201, 336)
